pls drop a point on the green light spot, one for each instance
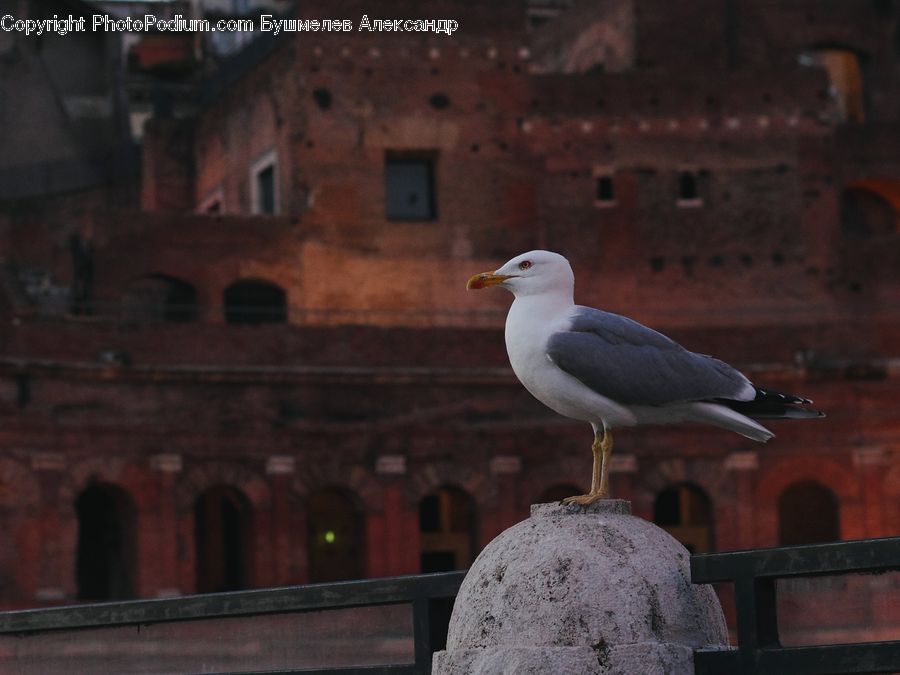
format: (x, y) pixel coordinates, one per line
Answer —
(329, 537)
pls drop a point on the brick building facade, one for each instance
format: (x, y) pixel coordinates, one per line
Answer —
(279, 378)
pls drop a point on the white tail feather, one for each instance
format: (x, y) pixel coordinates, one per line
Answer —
(722, 416)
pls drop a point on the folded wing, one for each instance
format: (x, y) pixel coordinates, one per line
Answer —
(634, 365)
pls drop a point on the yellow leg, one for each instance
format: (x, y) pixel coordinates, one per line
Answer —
(602, 451)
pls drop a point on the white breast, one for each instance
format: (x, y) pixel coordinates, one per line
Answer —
(530, 323)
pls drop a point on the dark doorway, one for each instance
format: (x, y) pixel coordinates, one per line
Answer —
(447, 524)
(251, 302)
(105, 559)
(685, 512)
(335, 544)
(222, 521)
(807, 514)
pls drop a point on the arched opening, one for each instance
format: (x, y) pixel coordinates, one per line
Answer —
(222, 517)
(556, 493)
(845, 79)
(447, 524)
(685, 512)
(807, 514)
(871, 207)
(105, 558)
(157, 297)
(252, 301)
(335, 542)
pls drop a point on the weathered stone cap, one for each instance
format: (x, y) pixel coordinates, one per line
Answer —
(579, 589)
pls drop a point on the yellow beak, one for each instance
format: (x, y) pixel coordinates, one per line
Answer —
(486, 279)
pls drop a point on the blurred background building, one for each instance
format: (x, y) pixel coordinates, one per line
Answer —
(236, 349)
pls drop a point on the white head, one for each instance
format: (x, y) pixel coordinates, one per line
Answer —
(531, 273)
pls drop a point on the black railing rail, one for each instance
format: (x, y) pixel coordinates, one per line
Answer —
(421, 591)
(755, 573)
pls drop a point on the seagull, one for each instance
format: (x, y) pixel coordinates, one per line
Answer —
(611, 371)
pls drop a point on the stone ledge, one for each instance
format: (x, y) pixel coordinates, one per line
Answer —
(602, 506)
(644, 658)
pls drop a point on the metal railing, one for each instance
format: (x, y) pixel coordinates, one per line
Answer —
(755, 573)
(430, 596)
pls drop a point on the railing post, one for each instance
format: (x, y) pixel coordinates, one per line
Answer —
(757, 617)
(422, 634)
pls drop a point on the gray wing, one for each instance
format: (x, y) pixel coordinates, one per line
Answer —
(634, 365)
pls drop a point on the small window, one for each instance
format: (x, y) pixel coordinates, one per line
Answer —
(845, 78)
(604, 188)
(264, 192)
(447, 527)
(688, 189)
(409, 186)
(251, 302)
(685, 512)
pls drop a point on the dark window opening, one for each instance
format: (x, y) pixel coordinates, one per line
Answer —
(605, 191)
(409, 187)
(105, 558)
(222, 522)
(688, 189)
(866, 213)
(685, 512)
(447, 524)
(251, 302)
(336, 536)
(846, 81)
(157, 297)
(265, 190)
(322, 98)
(439, 101)
(807, 514)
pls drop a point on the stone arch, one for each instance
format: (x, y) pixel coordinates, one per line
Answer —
(776, 477)
(569, 471)
(772, 482)
(808, 513)
(113, 470)
(871, 207)
(709, 476)
(210, 474)
(159, 297)
(355, 479)
(427, 478)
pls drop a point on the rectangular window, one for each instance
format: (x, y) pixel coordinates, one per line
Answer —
(264, 185)
(409, 186)
(604, 187)
(265, 190)
(689, 189)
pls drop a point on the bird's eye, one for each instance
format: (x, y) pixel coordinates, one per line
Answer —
(525, 264)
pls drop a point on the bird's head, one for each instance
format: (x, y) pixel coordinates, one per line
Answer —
(530, 273)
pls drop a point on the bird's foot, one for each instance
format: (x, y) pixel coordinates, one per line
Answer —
(589, 498)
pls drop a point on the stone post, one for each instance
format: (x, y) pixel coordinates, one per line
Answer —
(581, 590)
